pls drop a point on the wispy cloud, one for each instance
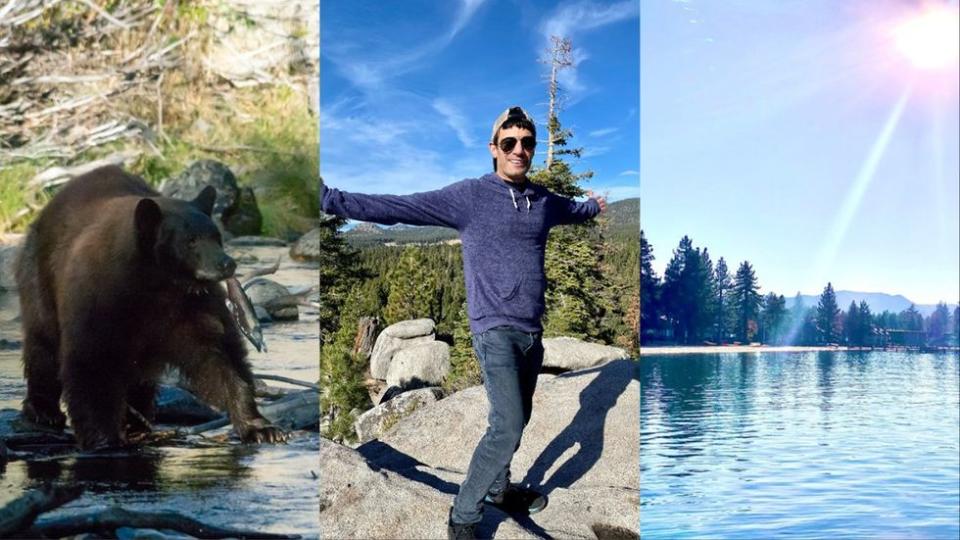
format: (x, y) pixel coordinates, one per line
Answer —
(457, 122)
(629, 172)
(369, 67)
(594, 151)
(602, 132)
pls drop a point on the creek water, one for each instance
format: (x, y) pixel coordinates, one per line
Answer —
(267, 488)
(816, 445)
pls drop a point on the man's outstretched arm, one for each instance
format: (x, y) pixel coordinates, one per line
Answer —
(444, 207)
(568, 211)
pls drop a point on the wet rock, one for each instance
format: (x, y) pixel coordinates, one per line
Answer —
(378, 420)
(307, 247)
(234, 212)
(270, 296)
(179, 407)
(395, 338)
(571, 353)
(420, 365)
(8, 258)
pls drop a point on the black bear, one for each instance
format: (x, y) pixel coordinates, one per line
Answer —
(117, 283)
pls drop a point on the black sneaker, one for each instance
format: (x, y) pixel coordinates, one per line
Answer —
(459, 531)
(517, 500)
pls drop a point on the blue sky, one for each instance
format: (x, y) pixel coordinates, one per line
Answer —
(796, 135)
(409, 90)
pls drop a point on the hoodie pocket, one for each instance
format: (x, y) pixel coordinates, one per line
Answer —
(509, 292)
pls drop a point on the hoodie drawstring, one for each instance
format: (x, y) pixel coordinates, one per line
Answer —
(514, 199)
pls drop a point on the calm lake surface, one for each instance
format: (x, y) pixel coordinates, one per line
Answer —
(800, 445)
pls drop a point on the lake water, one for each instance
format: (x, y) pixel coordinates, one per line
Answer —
(822, 444)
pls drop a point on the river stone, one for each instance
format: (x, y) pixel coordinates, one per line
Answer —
(8, 259)
(245, 219)
(423, 364)
(396, 337)
(371, 424)
(571, 353)
(230, 208)
(263, 293)
(307, 248)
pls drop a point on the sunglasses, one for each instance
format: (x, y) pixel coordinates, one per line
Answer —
(507, 143)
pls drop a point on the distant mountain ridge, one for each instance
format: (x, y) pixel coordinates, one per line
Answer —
(878, 302)
(623, 220)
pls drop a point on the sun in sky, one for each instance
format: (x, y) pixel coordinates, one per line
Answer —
(930, 38)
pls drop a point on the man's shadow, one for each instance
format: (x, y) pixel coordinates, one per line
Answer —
(586, 430)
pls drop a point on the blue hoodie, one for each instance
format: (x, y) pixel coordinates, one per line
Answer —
(503, 231)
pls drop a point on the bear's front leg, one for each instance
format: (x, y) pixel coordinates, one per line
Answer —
(42, 403)
(95, 398)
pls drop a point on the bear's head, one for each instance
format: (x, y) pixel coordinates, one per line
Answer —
(181, 238)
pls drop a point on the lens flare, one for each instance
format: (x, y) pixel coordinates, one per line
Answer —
(930, 40)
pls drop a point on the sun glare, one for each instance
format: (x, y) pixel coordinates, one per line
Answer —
(930, 39)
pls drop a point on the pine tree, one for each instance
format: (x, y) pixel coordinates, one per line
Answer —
(413, 289)
(956, 325)
(722, 284)
(773, 318)
(865, 330)
(464, 366)
(575, 283)
(938, 324)
(746, 301)
(649, 293)
(828, 316)
(851, 324)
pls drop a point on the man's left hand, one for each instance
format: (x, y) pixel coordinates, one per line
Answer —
(602, 201)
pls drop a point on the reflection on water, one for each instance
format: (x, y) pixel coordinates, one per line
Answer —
(830, 444)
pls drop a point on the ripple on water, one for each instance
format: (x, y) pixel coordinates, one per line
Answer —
(840, 445)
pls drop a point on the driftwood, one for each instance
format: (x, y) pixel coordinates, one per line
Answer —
(105, 522)
(21, 512)
(288, 380)
(297, 409)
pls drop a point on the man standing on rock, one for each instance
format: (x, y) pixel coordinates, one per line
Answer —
(503, 220)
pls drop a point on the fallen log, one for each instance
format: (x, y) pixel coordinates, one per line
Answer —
(22, 511)
(105, 522)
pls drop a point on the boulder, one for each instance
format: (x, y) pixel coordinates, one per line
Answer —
(8, 259)
(411, 329)
(581, 448)
(571, 353)
(234, 212)
(371, 424)
(307, 247)
(368, 502)
(269, 295)
(396, 337)
(420, 365)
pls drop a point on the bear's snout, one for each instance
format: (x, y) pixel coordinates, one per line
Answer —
(227, 266)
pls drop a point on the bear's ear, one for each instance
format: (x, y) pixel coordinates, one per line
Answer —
(205, 200)
(147, 218)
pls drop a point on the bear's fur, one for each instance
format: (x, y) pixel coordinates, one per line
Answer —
(117, 283)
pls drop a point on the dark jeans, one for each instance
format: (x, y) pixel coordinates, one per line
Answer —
(510, 360)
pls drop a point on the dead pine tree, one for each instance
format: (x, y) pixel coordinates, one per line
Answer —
(559, 59)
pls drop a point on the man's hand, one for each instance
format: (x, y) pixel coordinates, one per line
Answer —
(602, 201)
